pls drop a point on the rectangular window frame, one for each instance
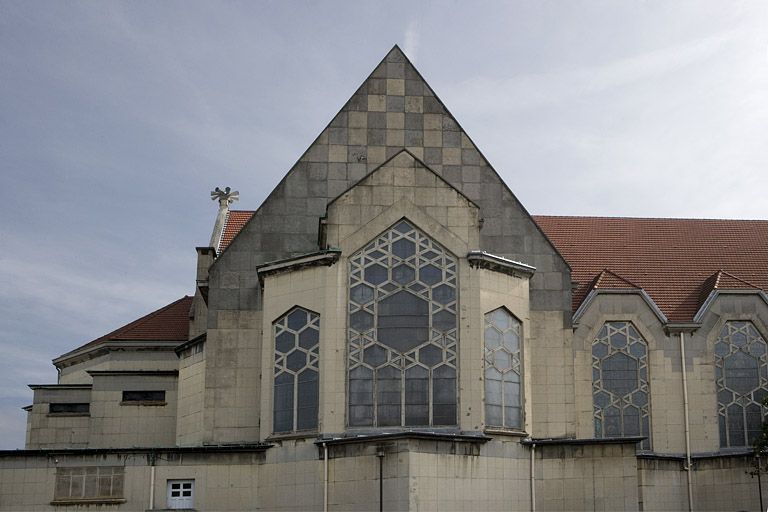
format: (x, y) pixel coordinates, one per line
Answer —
(89, 485)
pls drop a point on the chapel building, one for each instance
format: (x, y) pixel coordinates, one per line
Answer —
(392, 330)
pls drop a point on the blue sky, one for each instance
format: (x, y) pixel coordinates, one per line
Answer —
(117, 119)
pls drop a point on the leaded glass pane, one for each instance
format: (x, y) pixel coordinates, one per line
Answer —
(283, 406)
(741, 374)
(416, 396)
(402, 331)
(296, 385)
(503, 391)
(388, 380)
(308, 394)
(444, 396)
(620, 395)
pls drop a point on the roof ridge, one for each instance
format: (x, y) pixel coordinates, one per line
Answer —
(605, 271)
(720, 273)
(221, 234)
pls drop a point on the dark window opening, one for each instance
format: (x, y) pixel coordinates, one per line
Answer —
(70, 408)
(143, 396)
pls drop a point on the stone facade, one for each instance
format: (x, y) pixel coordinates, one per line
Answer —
(128, 419)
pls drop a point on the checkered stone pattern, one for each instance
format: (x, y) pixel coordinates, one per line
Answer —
(620, 383)
(296, 398)
(741, 376)
(403, 334)
(393, 110)
(503, 392)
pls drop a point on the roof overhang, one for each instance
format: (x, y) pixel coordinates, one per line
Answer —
(113, 346)
(681, 327)
(714, 294)
(60, 386)
(191, 343)
(488, 261)
(315, 259)
(418, 434)
(124, 373)
(593, 294)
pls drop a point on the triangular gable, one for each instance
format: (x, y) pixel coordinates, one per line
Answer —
(728, 281)
(234, 222)
(404, 156)
(610, 280)
(394, 109)
(722, 280)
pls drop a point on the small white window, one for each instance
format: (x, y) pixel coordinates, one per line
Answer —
(181, 494)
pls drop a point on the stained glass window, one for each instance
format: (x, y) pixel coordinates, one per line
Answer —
(620, 395)
(296, 390)
(741, 376)
(503, 383)
(403, 332)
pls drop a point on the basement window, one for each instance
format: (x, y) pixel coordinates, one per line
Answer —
(69, 409)
(89, 485)
(143, 398)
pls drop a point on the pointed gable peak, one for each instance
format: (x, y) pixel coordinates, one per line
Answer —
(403, 159)
(726, 280)
(609, 279)
(396, 54)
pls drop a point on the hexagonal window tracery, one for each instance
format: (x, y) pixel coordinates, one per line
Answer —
(403, 334)
(741, 377)
(296, 381)
(503, 376)
(620, 392)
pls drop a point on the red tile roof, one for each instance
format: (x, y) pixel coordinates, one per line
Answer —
(234, 222)
(673, 260)
(169, 323)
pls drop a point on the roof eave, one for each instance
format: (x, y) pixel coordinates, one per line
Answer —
(592, 295)
(320, 258)
(714, 294)
(486, 260)
(114, 345)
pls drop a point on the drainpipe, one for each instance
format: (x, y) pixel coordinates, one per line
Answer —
(325, 477)
(151, 481)
(380, 455)
(688, 464)
(533, 478)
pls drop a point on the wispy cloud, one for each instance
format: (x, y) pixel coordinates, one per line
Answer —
(411, 40)
(491, 95)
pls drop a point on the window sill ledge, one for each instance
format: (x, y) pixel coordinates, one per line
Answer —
(171, 510)
(68, 415)
(150, 403)
(505, 432)
(292, 435)
(88, 501)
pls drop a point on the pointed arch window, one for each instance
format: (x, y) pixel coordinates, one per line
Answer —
(620, 391)
(403, 335)
(741, 376)
(296, 385)
(503, 370)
